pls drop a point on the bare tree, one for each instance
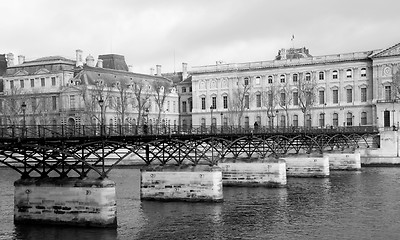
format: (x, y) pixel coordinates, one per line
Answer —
(10, 105)
(122, 100)
(270, 102)
(306, 94)
(285, 100)
(161, 89)
(239, 101)
(141, 97)
(91, 95)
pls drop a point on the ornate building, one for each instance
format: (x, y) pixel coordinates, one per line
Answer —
(297, 89)
(55, 90)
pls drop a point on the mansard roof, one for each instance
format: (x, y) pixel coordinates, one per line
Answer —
(388, 52)
(90, 75)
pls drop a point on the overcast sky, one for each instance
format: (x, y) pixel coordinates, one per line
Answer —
(169, 32)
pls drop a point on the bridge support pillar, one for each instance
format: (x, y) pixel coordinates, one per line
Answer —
(307, 166)
(344, 161)
(253, 172)
(199, 183)
(68, 201)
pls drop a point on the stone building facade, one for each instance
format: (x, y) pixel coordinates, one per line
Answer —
(352, 89)
(55, 90)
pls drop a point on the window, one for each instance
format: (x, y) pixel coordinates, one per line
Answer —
(349, 73)
(21, 83)
(258, 100)
(270, 79)
(246, 101)
(308, 120)
(190, 89)
(258, 120)
(32, 82)
(295, 120)
(43, 82)
(335, 119)
(11, 84)
(246, 122)
(183, 89)
(321, 95)
(184, 106)
(270, 99)
(283, 99)
(214, 102)
(295, 98)
(363, 118)
(225, 121)
(322, 119)
(295, 77)
(283, 121)
(335, 74)
(203, 103)
(53, 81)
(190, 104)
(335, 96)
(349, 119)
(363, 72)
(33, 104)
(246, 81)
(54, 102)
(321, 75)
(363, 94)
(308, 76)
(258, 80)
(225, 100)
(349, 95)
(388, 93)
(203, 122)
(72, 101)
(282, 78)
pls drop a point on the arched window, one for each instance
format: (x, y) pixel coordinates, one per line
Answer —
(246, 122)
(203, 122)
(335, 119)
(258, 80)
(258, 120)
(283, 121)
(334, 74)
(270, 79)
(349, 73)
(295, 120)
(308, 76)
(295, 78)
(349, 119)
(246, 81)
(282, 77)
(363, 72)
(308, 120)
(321, 75)
(363, 118)
(322, 119)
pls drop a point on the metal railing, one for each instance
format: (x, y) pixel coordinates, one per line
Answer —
(60, 131)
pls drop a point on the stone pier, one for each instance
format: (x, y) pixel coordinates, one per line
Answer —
(344, 161)
(307, 166)
(201, 183)
(68, 201)
(388, 154)
(253, 172)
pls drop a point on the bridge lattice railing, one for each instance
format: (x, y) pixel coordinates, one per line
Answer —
(66, 131)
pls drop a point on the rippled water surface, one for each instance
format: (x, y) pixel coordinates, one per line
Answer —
(347, 205)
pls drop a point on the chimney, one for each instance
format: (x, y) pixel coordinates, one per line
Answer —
(79, 60)
(21, 59)
(184, 71)
(90, 61)
(100, 63)
(152, 71)
(130, 67)
(10, 60)
(158, 70)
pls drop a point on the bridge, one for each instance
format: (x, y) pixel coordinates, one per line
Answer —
(74, 151)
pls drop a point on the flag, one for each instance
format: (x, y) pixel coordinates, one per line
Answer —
(292, 37)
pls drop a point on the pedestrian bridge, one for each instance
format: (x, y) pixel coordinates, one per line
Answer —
(74, 151)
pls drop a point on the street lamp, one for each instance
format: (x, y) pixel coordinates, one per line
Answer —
(221, 121)
(23, 107)
(323, 114)
(211, 108)
(277, 120)
(101, 104)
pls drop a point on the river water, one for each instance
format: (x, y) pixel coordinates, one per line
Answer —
(347, 205)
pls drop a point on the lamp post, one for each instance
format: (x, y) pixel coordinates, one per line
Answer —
(211, 111)
(101, 104)
(221, 121)
(323, 114)
(277, 120)
(23, 107)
